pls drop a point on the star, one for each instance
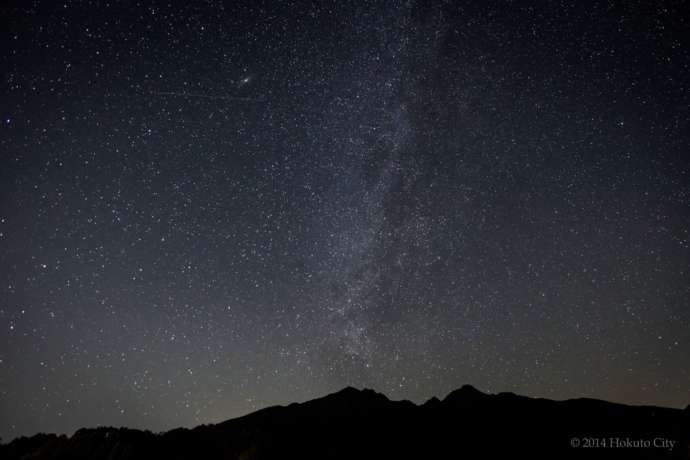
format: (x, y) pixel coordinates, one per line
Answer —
(244, 81)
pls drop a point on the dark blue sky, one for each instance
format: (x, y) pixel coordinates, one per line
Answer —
(207, 208)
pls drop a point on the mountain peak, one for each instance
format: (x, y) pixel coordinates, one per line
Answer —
(432, 402)
(350, 392)
(469, 388)
(464, 394)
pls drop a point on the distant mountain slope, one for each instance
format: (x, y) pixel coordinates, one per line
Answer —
(356, 424)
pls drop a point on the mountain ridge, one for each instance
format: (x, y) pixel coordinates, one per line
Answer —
(362, 423)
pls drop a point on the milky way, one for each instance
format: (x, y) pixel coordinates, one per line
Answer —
(211, 208)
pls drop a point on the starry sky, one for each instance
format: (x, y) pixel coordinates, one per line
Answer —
(210, 207)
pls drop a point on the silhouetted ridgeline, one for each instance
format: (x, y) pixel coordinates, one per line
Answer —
(354, 424)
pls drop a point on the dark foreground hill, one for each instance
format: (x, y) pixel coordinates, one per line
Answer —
(356, 424)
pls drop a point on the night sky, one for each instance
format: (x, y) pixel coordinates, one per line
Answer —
(210, 208)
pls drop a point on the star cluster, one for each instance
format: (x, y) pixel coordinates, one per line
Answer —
(212, 207)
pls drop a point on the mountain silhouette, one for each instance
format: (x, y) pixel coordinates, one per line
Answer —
(364, 424)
